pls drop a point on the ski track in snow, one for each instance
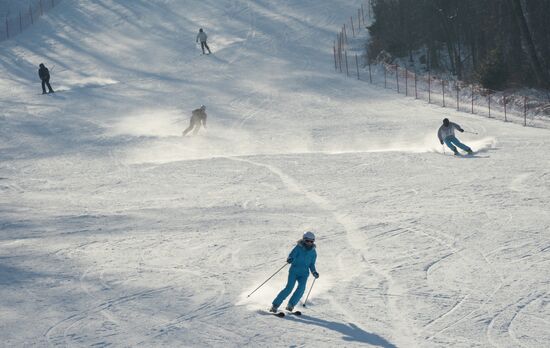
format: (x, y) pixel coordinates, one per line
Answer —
(351, 230)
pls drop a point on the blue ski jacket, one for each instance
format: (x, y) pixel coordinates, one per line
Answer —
(302, 259)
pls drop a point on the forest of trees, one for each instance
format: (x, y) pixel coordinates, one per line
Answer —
(497, 43)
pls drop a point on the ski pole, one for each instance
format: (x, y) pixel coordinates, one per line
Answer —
(309, 292)
(273, 275)
(470, 132)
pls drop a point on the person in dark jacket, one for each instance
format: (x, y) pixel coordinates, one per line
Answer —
(198, 117)
(302, 261)
(202, 37)
(44, 75)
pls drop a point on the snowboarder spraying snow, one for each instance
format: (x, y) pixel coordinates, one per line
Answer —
(202, 36)
(302, 260)
(446, 133)
(44, 75)
(198, 117)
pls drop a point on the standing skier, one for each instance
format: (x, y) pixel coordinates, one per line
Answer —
(44, 75)
(302, 260)
(202, 36)
(446, 133)
(198, 117)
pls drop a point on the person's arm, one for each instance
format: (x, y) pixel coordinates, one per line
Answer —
(197, 39)
(458, 128)
(312, 267)
(292, 255)
(204, 121)
(439, 136)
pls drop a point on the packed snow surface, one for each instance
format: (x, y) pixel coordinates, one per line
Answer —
(117, 231)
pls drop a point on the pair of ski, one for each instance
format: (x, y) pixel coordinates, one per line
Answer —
(282, 314)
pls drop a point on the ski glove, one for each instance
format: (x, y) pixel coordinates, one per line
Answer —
(289, 260)
(461, 130)
(316, 275)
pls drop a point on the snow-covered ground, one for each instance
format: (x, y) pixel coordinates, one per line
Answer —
(116, 231)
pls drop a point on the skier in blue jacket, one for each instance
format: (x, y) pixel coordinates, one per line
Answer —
(302, 260)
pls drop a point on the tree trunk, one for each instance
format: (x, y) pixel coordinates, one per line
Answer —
(540, 74)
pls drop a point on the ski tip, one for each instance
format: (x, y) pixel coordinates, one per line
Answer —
(280, 314)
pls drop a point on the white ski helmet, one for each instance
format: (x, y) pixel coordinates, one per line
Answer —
(309, 236)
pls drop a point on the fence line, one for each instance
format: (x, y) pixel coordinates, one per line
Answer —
(16, 24)
(447, 93)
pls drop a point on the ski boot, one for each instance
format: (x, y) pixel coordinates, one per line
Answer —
(274, 309)
(289, 308)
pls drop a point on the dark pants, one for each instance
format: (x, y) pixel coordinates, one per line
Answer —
(46, 82)
(203, 45)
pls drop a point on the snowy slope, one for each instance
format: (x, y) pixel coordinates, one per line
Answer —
(115, 230)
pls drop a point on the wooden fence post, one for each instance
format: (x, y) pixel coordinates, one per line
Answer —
(334, 50)
(397, 76)
(443, 88)
(20, 23)
(415, 90)
(41, 9)
(489, 103)
(472, 87)
(429, 88)
(7, 28)
(357, 65)
(385, 79)
(525, 111)
(340, 40)
(406, 82)
(352, 26)
(505, 118)
(347, 69)
(457, 96)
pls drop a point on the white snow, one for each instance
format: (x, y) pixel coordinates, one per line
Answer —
(116, 231)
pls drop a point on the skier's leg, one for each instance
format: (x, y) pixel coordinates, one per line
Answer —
(450, 145)
(202, 47)
(208, 48)
(49, 86)
(197, 127)
(286, 291)
(188, 129)
(43, 86)
(302, 282)
(462, 146)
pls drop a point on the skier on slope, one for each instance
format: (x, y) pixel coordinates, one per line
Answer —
(202, 37)
(302, 260)
(198, 117)
(44, 75)
(446, 133)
